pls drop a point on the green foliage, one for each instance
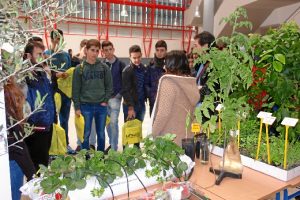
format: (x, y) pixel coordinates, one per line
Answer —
(278, 53)
(67, 173)
(14, 36)
(229, 72)
(248, 144)
(187, 122)
(277, 152)
(163, 154)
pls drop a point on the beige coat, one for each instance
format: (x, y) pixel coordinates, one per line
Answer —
(176, 95)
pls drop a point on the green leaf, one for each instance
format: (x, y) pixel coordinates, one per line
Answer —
(182, 166)
(30, 3)
(169, 136)
(280, 58)
(80, 184)
(264, 58)
(277, 66)
(206, 113)
(188, 120)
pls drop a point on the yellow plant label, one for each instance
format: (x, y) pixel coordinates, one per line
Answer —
(195, 127)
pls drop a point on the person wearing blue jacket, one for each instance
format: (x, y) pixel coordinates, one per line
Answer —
(40, 141)
(155, 71)
(62, 61)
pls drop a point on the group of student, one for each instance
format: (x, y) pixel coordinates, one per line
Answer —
(98, 87)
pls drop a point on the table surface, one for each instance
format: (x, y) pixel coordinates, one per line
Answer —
(253, 185)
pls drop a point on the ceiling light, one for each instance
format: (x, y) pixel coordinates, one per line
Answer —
(175, 22)
(124, 12)
(197, 12)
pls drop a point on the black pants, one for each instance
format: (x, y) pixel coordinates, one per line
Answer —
(38, 145)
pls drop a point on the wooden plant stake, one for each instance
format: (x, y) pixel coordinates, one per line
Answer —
(287, 122)
(261, 115)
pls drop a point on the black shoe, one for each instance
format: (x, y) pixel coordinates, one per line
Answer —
(92, 147)
(78, 148)
(70, 150)
(107, 149)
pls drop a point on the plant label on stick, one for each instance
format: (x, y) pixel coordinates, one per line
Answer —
(287, 121)
(195, 128)
(233, 133)
(269, 120)
(219, 107)
(263, 114)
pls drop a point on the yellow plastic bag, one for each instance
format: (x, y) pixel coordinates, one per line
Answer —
(132, 132)
(65, 84)
(57, 99)
(107, 120)
(79, 125)
(58, 142)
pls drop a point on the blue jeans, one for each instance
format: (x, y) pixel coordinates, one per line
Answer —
(16, 179)
(139, 110)
(65, 114)
(95, 111)
(93, 134)
(112, 128)
(113, 111)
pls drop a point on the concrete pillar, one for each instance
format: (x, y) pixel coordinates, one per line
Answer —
(208, 15)
(4, 161)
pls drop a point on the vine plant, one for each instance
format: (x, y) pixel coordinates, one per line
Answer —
(67, 173)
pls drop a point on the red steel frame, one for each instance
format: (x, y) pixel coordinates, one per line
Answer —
(147, 27)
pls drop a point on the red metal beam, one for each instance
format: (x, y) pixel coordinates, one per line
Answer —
(145, 4)
(148, 28)
(186, 35)
(186, 38)
(107, 18)
(88, 21)
(170, 28)
(45, 32)
(98, 19)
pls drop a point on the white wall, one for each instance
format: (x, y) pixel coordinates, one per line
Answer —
(4, 161)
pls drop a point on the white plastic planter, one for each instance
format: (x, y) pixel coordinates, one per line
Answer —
(278, 173)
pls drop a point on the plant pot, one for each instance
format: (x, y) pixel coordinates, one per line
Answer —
(189, 147)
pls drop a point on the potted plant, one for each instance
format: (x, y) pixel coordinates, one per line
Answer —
(71, 172)
(163, 154)
(232, 69)
(188, 143)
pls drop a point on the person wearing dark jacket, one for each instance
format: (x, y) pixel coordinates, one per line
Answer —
(203, 40)
(155, 72)
(78, 58)
(40, 141)
(19, 158)
(92, 88)
(133, 86)
(114, 103)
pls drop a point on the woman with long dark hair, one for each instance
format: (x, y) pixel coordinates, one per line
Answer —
(19, 158)
(177, 95)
